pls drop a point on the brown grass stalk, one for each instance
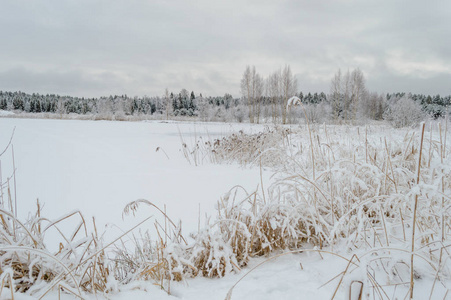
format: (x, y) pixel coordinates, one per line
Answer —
(415, 214)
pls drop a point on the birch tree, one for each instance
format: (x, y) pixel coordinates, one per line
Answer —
(252, 87)
(259, 86)
(358, 91)
(247, 90)
(335, 95)
(346, 94)
(273, 90)
(289, 89)
(168, 103)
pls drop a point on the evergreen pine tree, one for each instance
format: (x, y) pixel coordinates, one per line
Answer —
(32, 105)
(3, 104)
(18, 103)
(175, 106)
(301, 96)
(315, 98)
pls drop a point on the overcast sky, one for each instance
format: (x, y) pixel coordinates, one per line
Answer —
(136, 47)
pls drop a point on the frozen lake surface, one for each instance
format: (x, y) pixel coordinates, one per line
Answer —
(98, 167)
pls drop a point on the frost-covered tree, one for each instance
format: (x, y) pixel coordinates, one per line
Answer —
(404, 112)
(252, 88)
(246, 90)
(315, 112)
(168, 104)
(346, 93)
(289, 87)
(335, 95)
(259, 87)
(18, 103)
(3, 104)
(228, 101)
(358, 91)
(203, 107)
(274, 93)
(104, 107)
(373, 106)
(60, 107)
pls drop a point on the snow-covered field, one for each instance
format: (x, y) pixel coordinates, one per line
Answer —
(98, 167)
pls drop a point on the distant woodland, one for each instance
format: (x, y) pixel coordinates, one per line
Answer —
(262, 100)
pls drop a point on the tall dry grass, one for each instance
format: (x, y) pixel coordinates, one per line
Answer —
(80, 265)
(369, 194)
(381, 198)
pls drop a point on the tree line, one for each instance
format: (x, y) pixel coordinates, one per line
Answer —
(262, 100)
(170, 105)
(348, 100)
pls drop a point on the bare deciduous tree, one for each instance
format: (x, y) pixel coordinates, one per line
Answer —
(168, 103)
(246, 90)
(252, 87)
(259, 86)
(346, 93)
(358, 90)
(273, 90)
(289, 88)
(373, 106)
(335, 95)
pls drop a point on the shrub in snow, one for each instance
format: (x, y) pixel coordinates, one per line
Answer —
(316, 113)
(404, 112)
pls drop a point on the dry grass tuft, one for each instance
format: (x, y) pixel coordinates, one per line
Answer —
(347, 188)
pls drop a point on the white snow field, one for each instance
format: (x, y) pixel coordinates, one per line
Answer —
(98, 167)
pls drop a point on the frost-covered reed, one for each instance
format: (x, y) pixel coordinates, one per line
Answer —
(383, 198)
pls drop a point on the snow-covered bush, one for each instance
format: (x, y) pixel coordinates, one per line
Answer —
(404, 112)
(317, 113)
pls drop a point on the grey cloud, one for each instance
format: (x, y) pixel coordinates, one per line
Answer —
(391, 83)
(147, 46)
(74, 83)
